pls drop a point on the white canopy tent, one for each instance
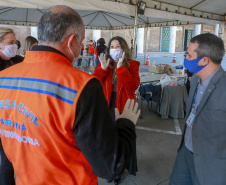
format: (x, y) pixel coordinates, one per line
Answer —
(108, 14)
(120, 14)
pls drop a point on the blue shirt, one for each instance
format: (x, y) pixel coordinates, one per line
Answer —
(201, 88)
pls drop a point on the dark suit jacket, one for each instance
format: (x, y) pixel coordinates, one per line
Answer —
(101, 49)
(209, 130)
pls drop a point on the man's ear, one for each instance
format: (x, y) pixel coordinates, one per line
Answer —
(204, 61)
(71, 39)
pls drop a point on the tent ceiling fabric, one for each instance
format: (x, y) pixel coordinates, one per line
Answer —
(108, 14)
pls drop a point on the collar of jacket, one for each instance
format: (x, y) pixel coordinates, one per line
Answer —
(45, 57)
(46, 48)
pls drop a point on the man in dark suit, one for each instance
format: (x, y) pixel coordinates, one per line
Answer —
(201, 158)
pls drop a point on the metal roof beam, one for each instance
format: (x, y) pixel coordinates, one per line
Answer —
(115, 19)
(197, 4)
(7, 10)
(106, 19)
(89, 14)
(94, 18)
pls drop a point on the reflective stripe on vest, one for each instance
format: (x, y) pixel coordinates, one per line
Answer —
(39, 86)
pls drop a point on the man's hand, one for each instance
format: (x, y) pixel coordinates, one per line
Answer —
(103, 62)
(121, 60)
(130, 112)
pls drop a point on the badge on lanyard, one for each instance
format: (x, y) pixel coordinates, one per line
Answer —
(191, 116)
(190, 119)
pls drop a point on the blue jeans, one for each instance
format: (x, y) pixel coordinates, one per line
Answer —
(89, 60)
(79, 63)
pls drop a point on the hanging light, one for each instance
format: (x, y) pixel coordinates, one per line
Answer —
(141, 8)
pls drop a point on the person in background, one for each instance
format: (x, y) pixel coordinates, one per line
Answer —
(95, 43)
(8, 57)
(120, 79)
(201, 156)
(87, 47)
(19, 47)
(18, 44)
(187, 84)
(79, 64)
(55, 124)
(101, 48)
(96, 55)
(29, 43)
(8, 48)
(91, 48)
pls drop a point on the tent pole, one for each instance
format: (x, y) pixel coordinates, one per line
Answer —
(221, 30)
(135, 34)
(145, 46)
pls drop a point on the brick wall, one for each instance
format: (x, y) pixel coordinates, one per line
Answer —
(179, 39)
(153, 39)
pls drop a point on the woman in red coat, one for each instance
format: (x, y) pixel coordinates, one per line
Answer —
(120, 79)
(118, 73)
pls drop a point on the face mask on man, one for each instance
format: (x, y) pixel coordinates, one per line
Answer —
(116, 53)
(192, 65)
(74, 58)
(10, 50)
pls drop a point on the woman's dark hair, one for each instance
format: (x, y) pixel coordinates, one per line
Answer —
(101, 41)
(18, 44)
(125, 48)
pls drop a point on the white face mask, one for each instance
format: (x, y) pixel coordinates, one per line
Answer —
(74, 58)
(116, 53)
(10, 50)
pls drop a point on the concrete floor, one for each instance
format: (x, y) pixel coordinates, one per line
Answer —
(157, 143)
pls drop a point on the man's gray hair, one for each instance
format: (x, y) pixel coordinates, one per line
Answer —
(209, 45)
(57, 23)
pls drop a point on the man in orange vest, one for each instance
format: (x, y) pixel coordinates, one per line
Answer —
(91, 48)
(55, 125)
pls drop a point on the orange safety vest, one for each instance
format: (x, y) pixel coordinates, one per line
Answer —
(91, 49)
(38, 100)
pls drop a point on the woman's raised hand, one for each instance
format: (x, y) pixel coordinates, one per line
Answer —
(120, 60)
(104, 63)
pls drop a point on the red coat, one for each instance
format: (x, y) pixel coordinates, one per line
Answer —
(128, 82)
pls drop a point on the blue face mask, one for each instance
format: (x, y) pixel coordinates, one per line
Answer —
(192, 65)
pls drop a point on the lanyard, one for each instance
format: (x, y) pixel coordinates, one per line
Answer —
(193, 105)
